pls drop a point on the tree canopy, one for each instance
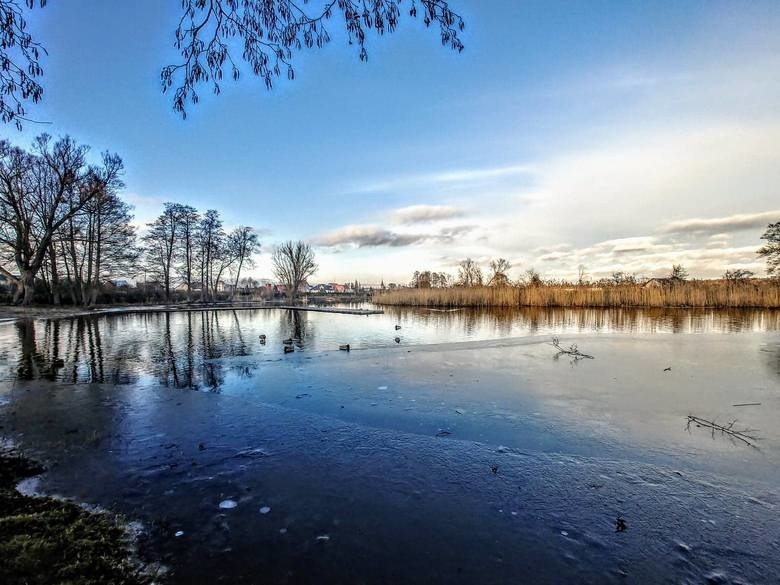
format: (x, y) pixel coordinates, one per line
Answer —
(217, 38)
(293, 265)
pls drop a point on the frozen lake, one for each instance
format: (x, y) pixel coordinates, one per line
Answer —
(464, 452)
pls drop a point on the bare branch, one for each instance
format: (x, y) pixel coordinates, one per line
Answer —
(743, 435)
(571, 350)
(268, 32)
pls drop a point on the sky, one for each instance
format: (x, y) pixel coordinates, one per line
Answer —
(611, 135)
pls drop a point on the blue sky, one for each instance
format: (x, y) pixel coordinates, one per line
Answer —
(566, 133)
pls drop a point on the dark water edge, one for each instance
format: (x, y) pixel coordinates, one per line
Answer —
(51, 540)
(484, 461)
(394, 507)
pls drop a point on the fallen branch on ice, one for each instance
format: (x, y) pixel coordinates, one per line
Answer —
(571, 350)
(743, 435)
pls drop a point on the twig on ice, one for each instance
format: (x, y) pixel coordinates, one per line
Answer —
(744, 435)
(571, 350)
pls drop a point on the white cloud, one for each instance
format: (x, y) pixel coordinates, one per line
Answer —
(448, 178)
(680, 164)
(425, 213)
(719, 225)
(363, 236)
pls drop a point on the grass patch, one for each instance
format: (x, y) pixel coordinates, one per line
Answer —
(46, 540)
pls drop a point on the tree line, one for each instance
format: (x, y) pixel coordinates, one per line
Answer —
(193, 250)
(65, 228)
(470, 273)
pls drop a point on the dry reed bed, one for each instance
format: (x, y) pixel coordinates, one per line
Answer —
(714, 294)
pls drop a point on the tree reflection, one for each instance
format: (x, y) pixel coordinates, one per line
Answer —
(181, 350)
(191, 350)
(298, 327)
(32, 363)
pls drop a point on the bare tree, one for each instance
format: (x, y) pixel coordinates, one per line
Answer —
(97, 243)
(582, 275)
(248, 284)
(243, 245)
(532, 277)
(186, 236)
(469, 273)
(222, 260)
(293, 265)
(42, 190)
(499, 268)
(738, 275)
(771, 250)
(160, 246)
(620, 277)
(211, 250)
(678, 272)
(440, 280)
(421, 279)
(429, 279)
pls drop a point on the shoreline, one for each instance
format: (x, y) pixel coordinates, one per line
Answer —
(10, 313)
(50, 539)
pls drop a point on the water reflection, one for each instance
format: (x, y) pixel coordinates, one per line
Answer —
(301, 331)
(188, 349)
(532, 320)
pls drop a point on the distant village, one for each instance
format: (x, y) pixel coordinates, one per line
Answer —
(248, 288)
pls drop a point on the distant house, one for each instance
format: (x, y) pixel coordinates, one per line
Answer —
(182, 287)
(281, 289)
(123, 282)
(223, 286)
(330, 288)
(663, 282)
(5, 283)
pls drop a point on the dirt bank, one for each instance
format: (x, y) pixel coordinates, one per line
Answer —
(47, 540)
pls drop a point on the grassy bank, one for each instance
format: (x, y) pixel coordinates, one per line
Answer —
(46, 540)
(700, 293)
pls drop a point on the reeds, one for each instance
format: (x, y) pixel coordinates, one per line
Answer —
(758, 293)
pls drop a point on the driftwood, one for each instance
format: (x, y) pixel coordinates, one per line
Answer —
(571, 350)
(744, 435)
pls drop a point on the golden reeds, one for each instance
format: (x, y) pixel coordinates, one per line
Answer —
(698, 293)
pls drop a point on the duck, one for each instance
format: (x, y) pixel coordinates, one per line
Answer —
(397, 327)
(344, 347)
(262, 337)
(289, 349)
(398, 340)
(287, 341)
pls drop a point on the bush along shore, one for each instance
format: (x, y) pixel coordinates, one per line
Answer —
(764, 293)
(52, 541)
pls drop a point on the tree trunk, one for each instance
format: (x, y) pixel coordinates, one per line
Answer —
(292, 290)
(235, 284)
(55, 280)
(27, 287)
